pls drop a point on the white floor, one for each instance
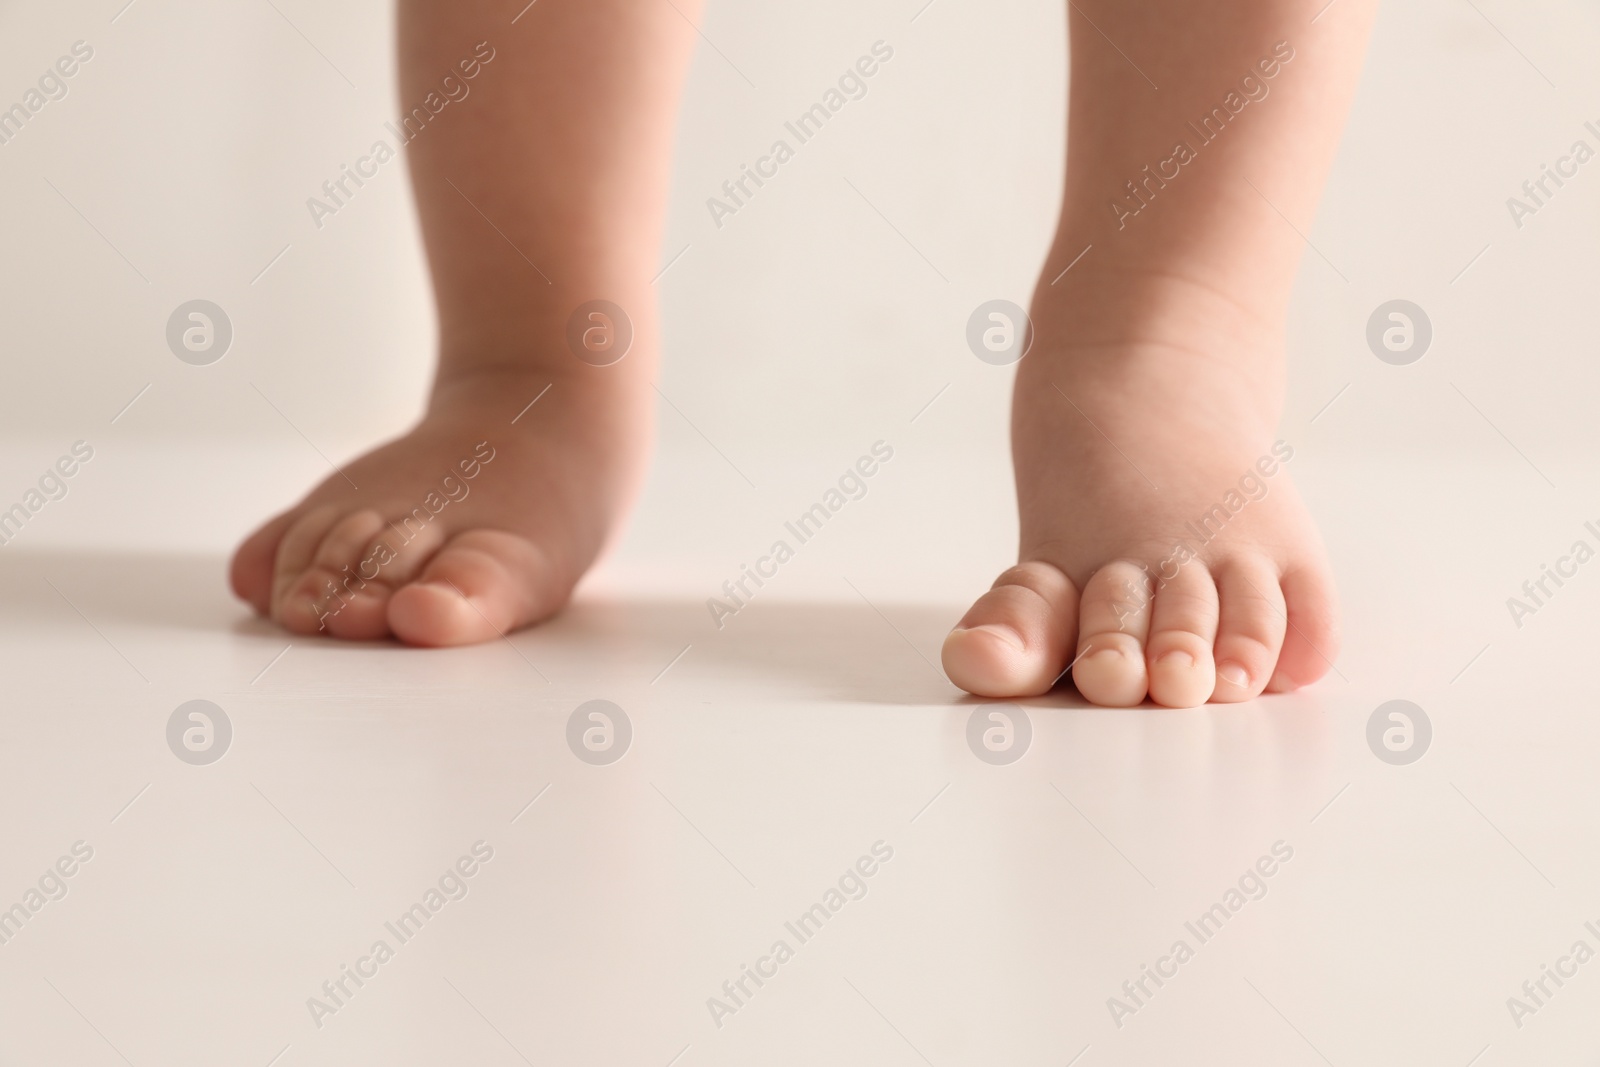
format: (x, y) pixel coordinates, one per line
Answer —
(1008, 903)
(765, 760)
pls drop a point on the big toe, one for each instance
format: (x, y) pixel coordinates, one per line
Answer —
(1014, 640)
(481, 585)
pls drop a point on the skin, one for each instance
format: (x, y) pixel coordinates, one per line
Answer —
(564, 142)
(1156, 377)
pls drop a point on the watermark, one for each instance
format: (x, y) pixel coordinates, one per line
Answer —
(50, 887)
(599, 732)
(1537, 590)
(852, 85)
(199, 332)
(1252, 88)
(199, 732)
(1252, 885)
(599, 333)
(337, 192)
(1252, 488)
(1399, 332)
(1536, 992)
(852, 885)
(1399, 732)
(452, 885)
(852, 485)
(999, 332)
(52, 486)
(51, 85)
(406, 530)
(999, 733)
(1537, 190)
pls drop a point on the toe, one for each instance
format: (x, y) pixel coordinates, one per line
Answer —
(399, 552)
(1250, 633)
(1183, 625)
(481, 585)
(336, 592)
(298, 546)
(1014, 640)
(250, 572)
(1112, 624)
(1312, 640)
(391, 558)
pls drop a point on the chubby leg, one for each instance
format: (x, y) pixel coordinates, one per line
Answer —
(541, 186)
(1164, 551)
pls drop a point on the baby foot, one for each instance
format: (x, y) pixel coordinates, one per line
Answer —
(477, 522)
(1164, 550)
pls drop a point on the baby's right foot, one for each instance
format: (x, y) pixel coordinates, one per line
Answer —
(477, 522)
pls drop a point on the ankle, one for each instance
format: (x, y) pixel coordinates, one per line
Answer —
(603, 339)
(462, 384)
(1151, 306)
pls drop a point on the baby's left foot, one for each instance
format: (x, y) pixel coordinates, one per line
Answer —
(1164, 550)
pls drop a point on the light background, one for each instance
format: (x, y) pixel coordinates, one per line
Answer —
(797, 334)
(805, 327)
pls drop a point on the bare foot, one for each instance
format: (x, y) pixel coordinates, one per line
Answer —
(540, 190)
(1164, 550)
(467, 527)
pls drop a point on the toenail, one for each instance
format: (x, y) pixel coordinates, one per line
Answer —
(440, 583)
(1108, 652)
(1234, 674)
(1283, 683)
(1176, 658)
(1004, 634)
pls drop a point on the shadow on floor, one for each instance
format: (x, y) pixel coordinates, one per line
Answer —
(168, 590)
(845, 650)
